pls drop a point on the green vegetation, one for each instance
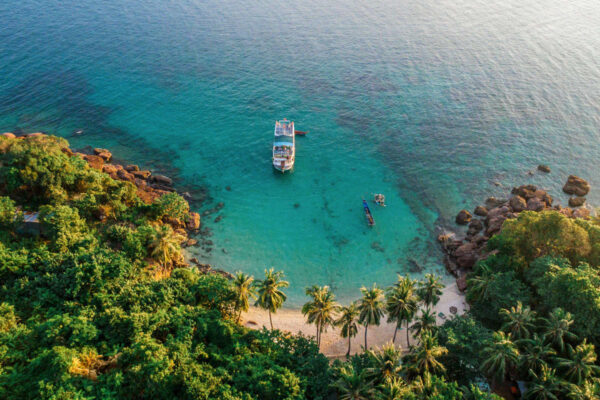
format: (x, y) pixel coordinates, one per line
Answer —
(98, 303)
(96, 307)
(540, 289)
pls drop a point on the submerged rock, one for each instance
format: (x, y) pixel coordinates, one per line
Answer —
(544, 168)
(162, 180)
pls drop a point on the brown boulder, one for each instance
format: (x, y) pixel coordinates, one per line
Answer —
(461, 282)
(535, 204)
(94, 161)
(481, 211)
(543, 196)
(9, 135)
(494, 225)
(109, 169)
(140, 183)
(517, 203)
(576, 185)
(525, 191)
(463, 217)
(193, 221)
(581, 213)
(466, 255)
(544, 168)
(576, 201)
(497, 212)
(132, 167)
(162, 180)
(475, 227)
(141, 174)
(105, 154)
(125, 176)
(36, 134)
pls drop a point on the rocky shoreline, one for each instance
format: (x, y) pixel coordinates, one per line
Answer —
(462, 253)
(149, 187)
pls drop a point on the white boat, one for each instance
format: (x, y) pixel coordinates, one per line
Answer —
(284, 146)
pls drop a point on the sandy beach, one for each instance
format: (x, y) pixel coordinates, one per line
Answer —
(333, 345)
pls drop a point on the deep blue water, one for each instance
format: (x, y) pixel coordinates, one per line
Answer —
(437, 104)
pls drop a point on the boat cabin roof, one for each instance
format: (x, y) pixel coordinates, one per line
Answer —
(284, 128)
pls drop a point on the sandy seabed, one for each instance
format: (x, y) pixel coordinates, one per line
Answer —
(332, 344)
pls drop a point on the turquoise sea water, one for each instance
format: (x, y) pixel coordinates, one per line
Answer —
(437, 104)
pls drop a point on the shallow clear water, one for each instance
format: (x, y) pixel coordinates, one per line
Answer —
(433, 103)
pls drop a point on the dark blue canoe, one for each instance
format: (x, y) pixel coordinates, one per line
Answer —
(368, 213)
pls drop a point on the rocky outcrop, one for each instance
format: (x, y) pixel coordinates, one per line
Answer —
(105, 154)
(9, 135)
(462, 254)
(576, 185)
(463, 217)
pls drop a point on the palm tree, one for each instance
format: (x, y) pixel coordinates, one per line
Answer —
(580, 364)
(371, 307)
(270, 297)
(426, 355)
(386, 363)
(545, 385)
(347, 323)
(557, 327)
(502, 355)
(424, 323)
(353, 386)
(535, 354)
(519, 321)
(401, 304)
(588, 390)
(243, 288)
(321, 309)
(430, 290)
(392, 389)
(478, 284)
(166, 246)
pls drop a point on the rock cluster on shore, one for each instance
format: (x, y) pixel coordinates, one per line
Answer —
(462, 254)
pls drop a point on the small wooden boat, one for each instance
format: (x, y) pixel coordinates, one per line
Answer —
(370, 219)
(301, 133)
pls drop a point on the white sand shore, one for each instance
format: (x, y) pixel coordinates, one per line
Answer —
(333, 345)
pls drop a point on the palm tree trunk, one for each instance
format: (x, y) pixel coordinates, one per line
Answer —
(395, 331)
(318, 337)
(349, 343)
(366, 328)
(239, 316)
(270, 320)
(407, 335)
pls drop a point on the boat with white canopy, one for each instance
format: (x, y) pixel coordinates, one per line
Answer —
(284, 145)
